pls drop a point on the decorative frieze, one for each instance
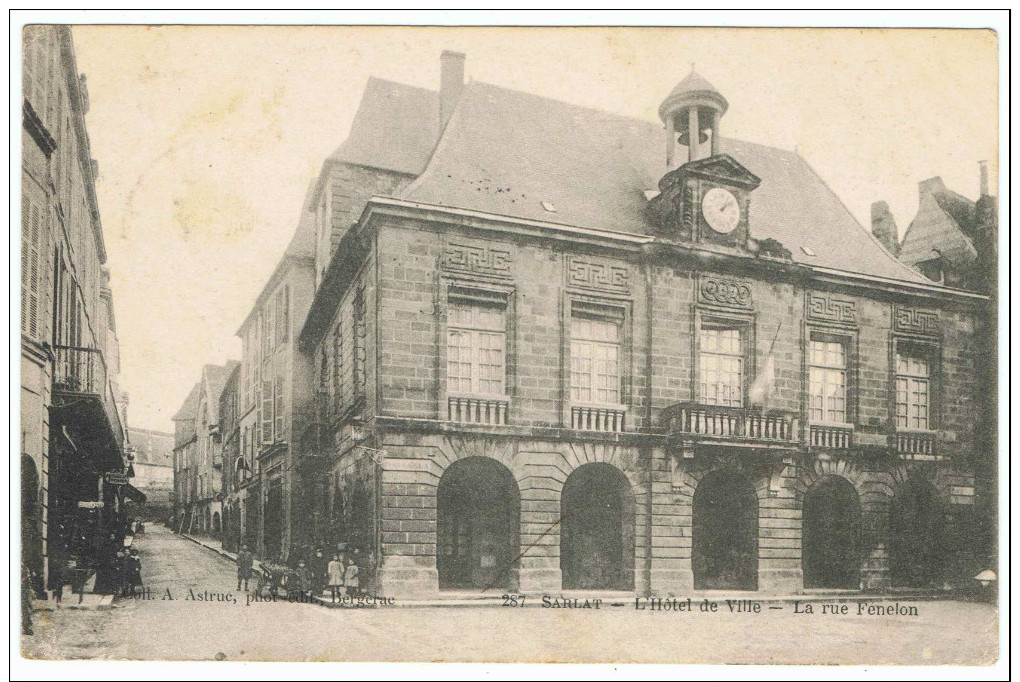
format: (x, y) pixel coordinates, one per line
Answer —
(724, 292)
(586, 273)
(831, 309)
(487, 260)
(916, 320)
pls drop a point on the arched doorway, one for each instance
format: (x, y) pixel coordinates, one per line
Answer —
(832, 535)
(725, 543)
(478, 540)
(216, 523)
(915, 535)
(597, 529)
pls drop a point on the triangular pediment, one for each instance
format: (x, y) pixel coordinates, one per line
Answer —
(722, 168)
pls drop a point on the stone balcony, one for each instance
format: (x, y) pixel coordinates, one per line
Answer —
(732, 425)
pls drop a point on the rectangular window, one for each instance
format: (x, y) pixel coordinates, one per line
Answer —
(266, 412)
(595, 359)
(827, 381)
(913, 392)
(721, 367)
(476, 348)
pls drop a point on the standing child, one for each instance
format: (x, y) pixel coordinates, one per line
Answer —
(335, 575)
(351, 578)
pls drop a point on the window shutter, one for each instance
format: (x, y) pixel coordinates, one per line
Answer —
(279, 411)
(266, 418)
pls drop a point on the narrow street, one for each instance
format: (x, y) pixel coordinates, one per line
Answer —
(186, 628)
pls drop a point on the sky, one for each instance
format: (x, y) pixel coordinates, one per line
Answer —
(207, 137)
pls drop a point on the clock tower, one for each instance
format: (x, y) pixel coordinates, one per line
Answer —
(706, 199)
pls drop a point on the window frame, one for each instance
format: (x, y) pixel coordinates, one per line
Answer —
(745, 323)
(929, 350)
(476, 298)
(848, 339)
(452, 288)
(607, 307)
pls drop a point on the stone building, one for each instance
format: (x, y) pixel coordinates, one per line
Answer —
(954, 241)
(232, 469)
(198, 456)
(72, 413)
(150, 454)
(274, 402)
(557, 348)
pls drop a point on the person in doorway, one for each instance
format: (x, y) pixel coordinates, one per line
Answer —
(335, 577)
(244, 563)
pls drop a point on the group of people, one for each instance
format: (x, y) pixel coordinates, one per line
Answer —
(345, 574)
(129, 571)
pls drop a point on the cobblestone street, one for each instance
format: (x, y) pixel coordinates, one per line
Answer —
(186, 628)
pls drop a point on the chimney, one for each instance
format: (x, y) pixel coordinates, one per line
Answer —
(983, 165)
(451, 84)
(883, 226)
(930, 186)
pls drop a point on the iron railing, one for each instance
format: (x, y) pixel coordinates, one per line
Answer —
(83, 370)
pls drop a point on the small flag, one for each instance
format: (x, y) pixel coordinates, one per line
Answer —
(764, 384)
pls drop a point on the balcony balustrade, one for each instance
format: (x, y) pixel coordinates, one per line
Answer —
(731, 423)
(606, 418)
(491, 411)
(830, 436)
(912, 444)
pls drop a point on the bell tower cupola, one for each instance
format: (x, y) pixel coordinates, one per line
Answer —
(693, 105)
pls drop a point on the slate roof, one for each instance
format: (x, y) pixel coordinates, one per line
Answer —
(189, 408)
(395, 128)
(302, 244)
(506, 152)
(935, 232)
(215, 376)
(692, 83)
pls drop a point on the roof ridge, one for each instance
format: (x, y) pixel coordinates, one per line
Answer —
(863, 229)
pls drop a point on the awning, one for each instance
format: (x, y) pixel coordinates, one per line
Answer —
(134, 493)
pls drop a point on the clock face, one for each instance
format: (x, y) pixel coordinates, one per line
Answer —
(721, 210)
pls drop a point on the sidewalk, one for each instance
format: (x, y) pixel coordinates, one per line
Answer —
(564, 598)
(214, 545)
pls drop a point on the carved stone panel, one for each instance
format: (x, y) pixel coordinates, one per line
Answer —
(831, 309)
(487, 260)
(595, 275)
(724, 292)
(916, 320)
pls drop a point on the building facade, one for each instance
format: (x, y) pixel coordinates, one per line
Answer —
(73, 415)
(574, 352)
(198, 453)
(150, 454)
(273, 412)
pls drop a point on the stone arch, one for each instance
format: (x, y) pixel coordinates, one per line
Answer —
(597, 528)
(477, 525)
(917, 524)
(833, 547)
(727, 495)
